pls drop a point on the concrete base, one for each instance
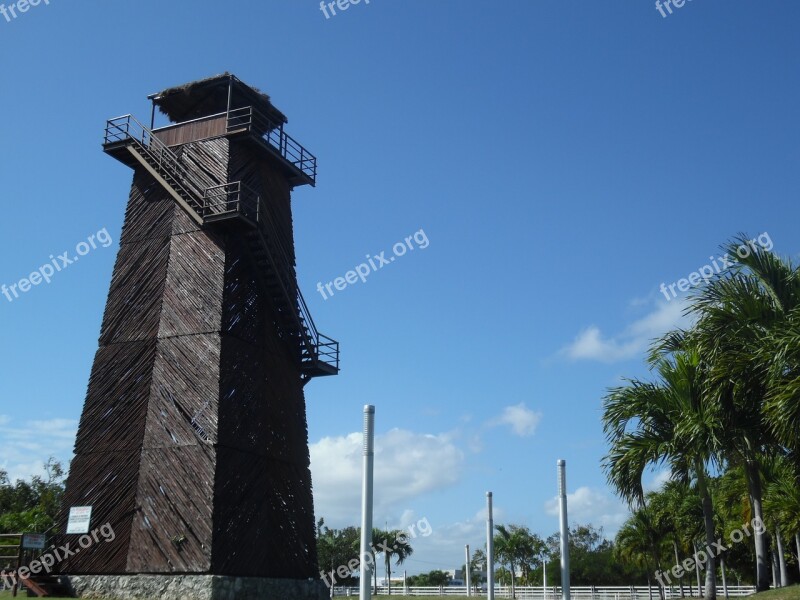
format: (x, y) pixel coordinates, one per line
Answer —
(195, 587)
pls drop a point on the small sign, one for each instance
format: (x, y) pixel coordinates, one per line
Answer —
(79, 519)
(33, 541)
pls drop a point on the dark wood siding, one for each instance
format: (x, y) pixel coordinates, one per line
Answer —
(193, 441)
(193, 131)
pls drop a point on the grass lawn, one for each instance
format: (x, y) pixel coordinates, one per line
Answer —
(789, 593)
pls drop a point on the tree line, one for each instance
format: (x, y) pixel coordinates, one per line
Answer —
(721, 415)
(521, 558)
(338, 552)
(31, 506)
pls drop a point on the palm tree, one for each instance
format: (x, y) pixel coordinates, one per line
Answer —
(779, 347)
(506, 549)
(742, 315)
(638, 542)
(335, 547)
(783, 501)
(477, 567)
(733, 502)
(677, 510)
(531, 548)
(782, 504)
(395, 546)
(517, 547)
(377, 536)
(670, 421)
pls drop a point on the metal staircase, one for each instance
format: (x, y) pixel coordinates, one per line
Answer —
(209, 203)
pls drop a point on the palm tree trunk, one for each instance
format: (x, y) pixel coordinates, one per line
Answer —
(513, 581)
(753, 476)
(678, 561)
(708, 518)
(697, 571)
(781, 559)
(724, 577)
(389, 572)
(657, 561)
(647, 572)
(775, 576)
(797, 543)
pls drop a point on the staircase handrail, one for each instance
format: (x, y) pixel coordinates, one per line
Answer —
(127, 127)
(203, 196)
(245, 196)
(273, 133)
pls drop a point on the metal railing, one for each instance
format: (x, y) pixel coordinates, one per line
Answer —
(328, 350)
(550, 593)
(237, 197)
(127, 129)
(228, 199)
(212, 201)
(13, 548)
(276, 138)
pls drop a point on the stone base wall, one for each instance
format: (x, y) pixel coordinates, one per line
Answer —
(194, 587)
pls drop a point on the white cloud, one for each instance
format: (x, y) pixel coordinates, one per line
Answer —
(522, 420)
(444, 549)
(403, 471)
(634, 340)
(589, 506)
(25, 447)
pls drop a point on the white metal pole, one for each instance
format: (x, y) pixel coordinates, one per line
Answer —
(489, 549)
(562, 496)
(367, 559)
(467, 578)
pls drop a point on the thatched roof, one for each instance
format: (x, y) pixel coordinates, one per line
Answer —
(210, 96)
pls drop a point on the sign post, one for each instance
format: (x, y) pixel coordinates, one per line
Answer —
(79, 519)
(33, 541)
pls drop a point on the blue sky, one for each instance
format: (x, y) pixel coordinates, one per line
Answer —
(563, 159)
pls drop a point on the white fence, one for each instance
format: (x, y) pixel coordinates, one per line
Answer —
(554, 593)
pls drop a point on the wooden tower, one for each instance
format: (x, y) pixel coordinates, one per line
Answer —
(193, 442)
